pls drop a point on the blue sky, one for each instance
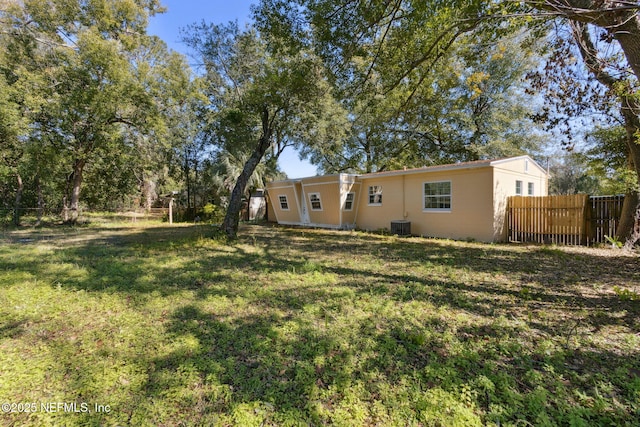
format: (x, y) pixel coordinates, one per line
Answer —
(181, 13)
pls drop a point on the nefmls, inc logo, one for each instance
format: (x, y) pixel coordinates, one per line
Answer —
(76, 407)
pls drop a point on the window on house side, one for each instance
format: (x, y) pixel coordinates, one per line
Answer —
(519, 188)
(348, 203)
(437, 196)
(375, 195)
(530, 189)
(314, 199)
(284, 203)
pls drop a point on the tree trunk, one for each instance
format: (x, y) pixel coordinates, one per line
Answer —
(621, 20)
(78, 168)
(628, 230)
(625, 28)
(17, 207)
(628, 218)
(187, 177)
(195, 190)
(65, 210)
(232, 217)
(40, 200)
(148, 193)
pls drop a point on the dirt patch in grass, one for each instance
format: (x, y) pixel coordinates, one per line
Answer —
(169, 326)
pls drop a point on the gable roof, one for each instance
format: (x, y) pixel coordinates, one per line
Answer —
(510, 159)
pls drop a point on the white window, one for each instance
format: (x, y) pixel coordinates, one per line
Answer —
(314, 200)
(375, 195)
(348, 203)
(530, 189)
(284, 203)
(437, 196)
(519, 188)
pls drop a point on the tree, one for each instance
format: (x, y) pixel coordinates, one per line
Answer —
(471, 106)
(627, 94)
(225, 167)
(17, 103)
(570, 173)
(11, 132)
(260, 102)
(78, 57)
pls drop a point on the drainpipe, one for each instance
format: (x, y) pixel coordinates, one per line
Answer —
(356, 200)
(340, 198)
(405, 214)
(295, 194)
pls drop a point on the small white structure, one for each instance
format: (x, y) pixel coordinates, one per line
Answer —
(257, 205)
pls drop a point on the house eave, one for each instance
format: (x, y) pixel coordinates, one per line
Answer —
(428, 169)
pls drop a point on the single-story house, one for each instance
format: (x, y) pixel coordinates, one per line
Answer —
(458, 201)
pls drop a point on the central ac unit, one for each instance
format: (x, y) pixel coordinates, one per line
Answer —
(401, 228)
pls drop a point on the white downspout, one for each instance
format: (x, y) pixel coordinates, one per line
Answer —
(341, 201)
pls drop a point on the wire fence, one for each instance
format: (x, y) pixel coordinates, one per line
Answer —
(36, 216)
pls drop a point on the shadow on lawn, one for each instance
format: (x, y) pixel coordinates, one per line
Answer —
(309, 373)
(536, 280)
(533, 278)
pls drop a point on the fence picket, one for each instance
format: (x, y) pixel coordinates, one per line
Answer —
(549, 219)
(571, 220)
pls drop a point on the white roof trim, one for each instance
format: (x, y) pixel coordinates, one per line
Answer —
(334, 175)
(437, 168)
(269, 187)
(525, 157)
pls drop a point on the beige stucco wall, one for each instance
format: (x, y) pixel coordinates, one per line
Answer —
(374, 217)
(507, 172)
(329, 192)
(478, 199)
(271, 213)
(332, 190)
(505, 175)
(471, 214)
(284, 188)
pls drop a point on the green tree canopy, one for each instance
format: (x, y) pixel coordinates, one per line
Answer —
(95, 88)
(259, 102)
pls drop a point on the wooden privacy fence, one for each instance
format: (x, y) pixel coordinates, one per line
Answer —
(568, 220)
(549, 219)
(605, 216)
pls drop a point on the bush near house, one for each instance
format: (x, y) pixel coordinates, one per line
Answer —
(166, 326)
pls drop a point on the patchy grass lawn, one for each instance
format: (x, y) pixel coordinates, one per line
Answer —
(164, 326)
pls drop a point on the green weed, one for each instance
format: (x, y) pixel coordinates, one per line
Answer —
(626, 294)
